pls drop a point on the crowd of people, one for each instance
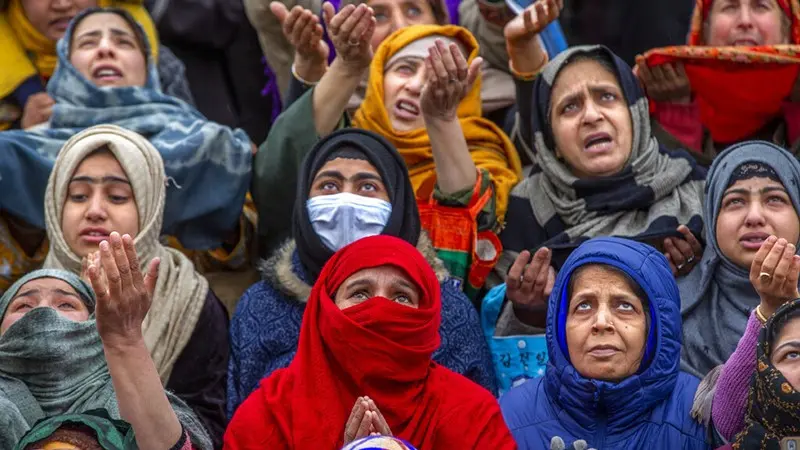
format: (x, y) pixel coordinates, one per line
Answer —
(397, 224)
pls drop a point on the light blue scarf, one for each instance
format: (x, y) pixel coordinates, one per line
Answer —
(208, 164)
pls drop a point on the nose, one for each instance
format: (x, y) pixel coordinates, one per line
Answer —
(602, 321)
(61, 5)
(755, 215)
(398, 20)
(591, 113)
(96, 209)
(105, 48)
(745, 17)
(415, 84)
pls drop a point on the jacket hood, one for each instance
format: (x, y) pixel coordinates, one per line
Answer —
(622, 404)
(285, 271)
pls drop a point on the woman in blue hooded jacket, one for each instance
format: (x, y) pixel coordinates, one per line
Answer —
(614, 341)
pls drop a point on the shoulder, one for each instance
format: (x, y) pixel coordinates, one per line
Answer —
(262, 302)
(675, 411)
(526, 405)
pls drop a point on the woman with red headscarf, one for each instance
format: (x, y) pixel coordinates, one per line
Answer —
(736, 80)
(363, 365)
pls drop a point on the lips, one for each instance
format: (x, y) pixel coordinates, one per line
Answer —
(603, 351)
(407, 109)
(597, 142)
(746, 42)
(60, 24)
(106, 73)
(94, 235)
(753, 240)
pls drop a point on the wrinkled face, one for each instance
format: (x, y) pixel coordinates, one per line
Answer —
(51, 17)
(752, 210)
(354, 176)
(45, 293)
(106, 51)
(747, 23)
(392, 15)
(606, 326)
(590, 120)
(786, 352)
(402, 91)
(99, 200)
(385, 281)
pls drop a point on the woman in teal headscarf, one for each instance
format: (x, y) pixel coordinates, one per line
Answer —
(66, 352)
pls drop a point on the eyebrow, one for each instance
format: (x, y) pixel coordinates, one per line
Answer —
(764, 190)
(34, 291)
(415, 61)
(95, 180)
(97, 33)
(360, 176)
(794, 344)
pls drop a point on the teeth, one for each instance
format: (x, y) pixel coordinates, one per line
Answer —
(106, 73)
(408, 107)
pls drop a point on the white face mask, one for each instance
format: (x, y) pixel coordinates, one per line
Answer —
(341, 219)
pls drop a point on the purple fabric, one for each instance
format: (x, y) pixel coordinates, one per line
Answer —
(271, 90)
(452, 10)
(730, 398)
(332, 53)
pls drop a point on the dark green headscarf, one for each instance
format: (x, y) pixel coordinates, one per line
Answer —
(50, 365)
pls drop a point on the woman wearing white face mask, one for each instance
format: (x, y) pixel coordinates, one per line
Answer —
(352, 184)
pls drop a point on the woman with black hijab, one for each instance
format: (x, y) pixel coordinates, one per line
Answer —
(352, 184)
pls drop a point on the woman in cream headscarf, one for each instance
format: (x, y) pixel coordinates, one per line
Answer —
(109, 179)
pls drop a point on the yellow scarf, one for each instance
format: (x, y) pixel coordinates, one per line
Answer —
(489, 147)
(24, 51)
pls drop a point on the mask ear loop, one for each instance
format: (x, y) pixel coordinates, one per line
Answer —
(175, 183)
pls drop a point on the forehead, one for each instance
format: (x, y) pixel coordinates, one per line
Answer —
(597, 276)
(580, 73)
(99, 163)
(754, 184)
(46, 284)
(381, 274)
(102, 22)
(349, 167)
(789, 332)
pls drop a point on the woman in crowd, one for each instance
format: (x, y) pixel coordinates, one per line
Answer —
(81, 361)
(724, 23)
(613, 340)
(368, 333)
(438, 129)
(353, 184)
(106, 180)
(598, 172)
(105, 76)
(29, 30)
(751, 194)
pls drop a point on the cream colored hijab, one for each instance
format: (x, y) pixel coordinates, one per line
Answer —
(181, 291)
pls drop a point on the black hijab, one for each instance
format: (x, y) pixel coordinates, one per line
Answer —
(351, 143)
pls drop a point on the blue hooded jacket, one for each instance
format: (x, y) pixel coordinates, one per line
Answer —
(648, 410)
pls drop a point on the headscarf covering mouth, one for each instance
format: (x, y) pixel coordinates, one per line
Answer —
(773, 405)
(84, 291)
(404, 221)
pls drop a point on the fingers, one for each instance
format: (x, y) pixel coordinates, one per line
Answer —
(137, 280)
(98, 283)
(122, 263)
(534, 279)
(772, 259)
(756, 268)
(551, 280)
(279, 10)
(364, 426)
(794, 277)
(689, 237)
(782, 269)
(114, 283)
(473, 72)
(515, 272)
(290, 20)
(328, 14)
(379, 422)
(672, 265)
(680, 71)
(437, 63)
(354, 422)
(297, 24)
(362, 24)
(151, 279)
(351, 20)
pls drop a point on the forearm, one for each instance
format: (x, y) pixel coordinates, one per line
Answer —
(141, 397)
(455, 170)
(331, 96)
(526, 58)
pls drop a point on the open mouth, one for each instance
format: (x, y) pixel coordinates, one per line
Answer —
(746, 43)
(753, 241)
(598, 142)
(106, 73)
(408, 107)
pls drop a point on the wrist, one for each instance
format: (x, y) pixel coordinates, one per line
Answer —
(123, 344)
(440, 119)
(349, 68)
(526, 58)
(308, 71)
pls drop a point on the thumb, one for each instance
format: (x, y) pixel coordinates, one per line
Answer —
(473, 71)
(328, 11)
(280, 11)
(556, 443)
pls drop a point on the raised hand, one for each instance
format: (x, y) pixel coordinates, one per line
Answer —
(529, 285)
(774, 273)
(667, 83)
(448, 79)
(526, 26)
(302, 28)
(123, 295)
(379, 425)
(682, 254)
(351, 31)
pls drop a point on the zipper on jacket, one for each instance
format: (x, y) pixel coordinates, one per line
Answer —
(600, 434)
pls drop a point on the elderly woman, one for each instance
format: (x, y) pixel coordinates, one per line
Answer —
(66, 353)
(353, 185)
(613, 338)
(368, 333)
(598, 172)
(751, 194)
(430, 111)
(725, 23)
(105, 76)
(29, 30)
(107, 179)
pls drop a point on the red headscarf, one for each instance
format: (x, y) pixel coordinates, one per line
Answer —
(703, 7)
(377, 348)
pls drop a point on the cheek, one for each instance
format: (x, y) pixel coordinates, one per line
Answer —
(391, 86)
(126, 218)
(81, 61)
(718, 30)
(771, 29)
(138, 67)
(76, 316)
(565, 136)
(70, 218)
(8, 320)
(787, 226)
(634, 333)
